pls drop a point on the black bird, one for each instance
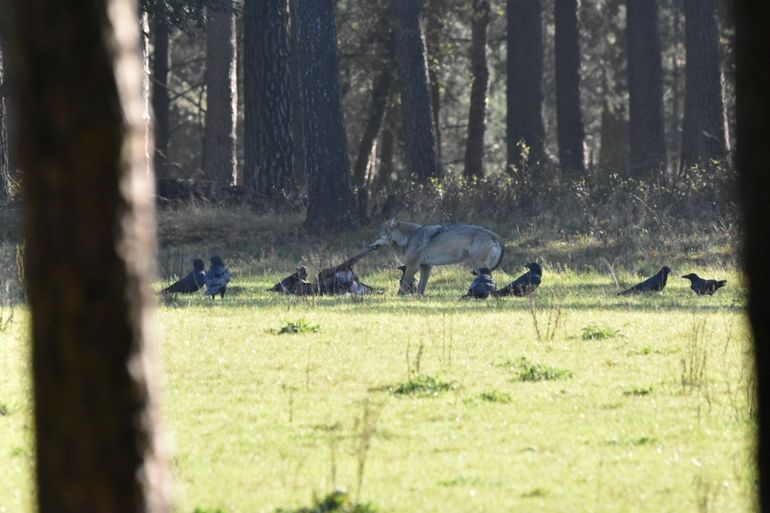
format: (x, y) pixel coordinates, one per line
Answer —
(653, 284)
(704, 287)
(482, 286)
(217, 278)
(412, 286)
(190, 283)
(524, 284)
(292, 284)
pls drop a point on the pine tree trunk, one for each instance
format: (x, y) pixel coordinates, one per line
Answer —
(645, 90)
(380, 94)
(330, 199)
(160, 98)
(569, 120)
(5, 174)
(419, 134)
(296, 104)
(219, 139)
(434, 30)
(90, 241)
(704, 137)
(269, 161)
(524, 94)
(474, 148)
(753, 124)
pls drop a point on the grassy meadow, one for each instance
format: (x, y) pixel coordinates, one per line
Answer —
(576, 400)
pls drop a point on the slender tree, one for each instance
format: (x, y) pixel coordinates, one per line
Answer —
(753, 125)
(569, 120)
(645, 90)
(421, 145)
(90, 241)
(269, 147)
(160, 98)
(474, 148)
(435, 37)
(219, 139)
(704, 135)
(524, 95)
(330, 199)
(5, 171)
(296, 109)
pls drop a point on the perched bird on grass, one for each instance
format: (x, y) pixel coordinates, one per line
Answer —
(482, 286)
(704, 287)
(190, 283)
(653, 284)
(292, 284)
(524, 284)
(217, 278)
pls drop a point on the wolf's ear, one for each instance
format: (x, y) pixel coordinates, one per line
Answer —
(391, 223)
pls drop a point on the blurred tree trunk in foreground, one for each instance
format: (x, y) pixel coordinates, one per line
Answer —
(90, 244)
(753, 125)
(569, 119)
(161, 32)
(219, 140)
(704, 136)
(525, 82)
(422, 159)
(330, 199)
(645, 90)
(269, 144)
(474, 148)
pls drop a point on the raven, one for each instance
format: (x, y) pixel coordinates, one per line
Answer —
(190, 283)
(482, 286)
(217, 278)
(524, 284)
(704, 287)
(292, 284)
(653, 284)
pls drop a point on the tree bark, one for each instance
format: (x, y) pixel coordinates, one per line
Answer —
(5, 173)
(524, 95)
(380, 94)
(90, 241)
(753, 124)
(330, 199)
(219, 135)
(434, 29)
(645, 90)
(474, 148)
(296, 104)
(569, 120)
(160, 98)
(419, 134)
(269, 155)
(704, 137)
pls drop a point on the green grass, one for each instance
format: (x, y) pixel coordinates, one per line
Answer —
(658, 419)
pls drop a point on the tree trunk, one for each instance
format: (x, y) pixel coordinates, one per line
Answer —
(160, 98)
(421, 145)
(474, 148)
(645, 90)
(269, 160)
(753, 124)
(330, 200)
(434, 29)
(524, 95)
(144, 24)
(569, 120)
(5, 174)
(90, 241)
(219, 139)
(704, 137)
(366, 149)
(387, 151)
(296, 103)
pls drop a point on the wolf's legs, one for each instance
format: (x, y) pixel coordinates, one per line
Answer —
(407, 279)
(424, 275)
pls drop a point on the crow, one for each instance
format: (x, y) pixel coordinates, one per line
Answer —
(292, 284)
(190, 283)
(524, 284)
(482, 286)
(341, 279)
(704, 287)
(410, 287)
(217, 278)
(653, 284)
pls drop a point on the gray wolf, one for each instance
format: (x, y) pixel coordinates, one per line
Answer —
(440, 244)
(524, 284)
(653, 284)
(704, 287)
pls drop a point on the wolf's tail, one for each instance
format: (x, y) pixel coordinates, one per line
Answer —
(502, 254)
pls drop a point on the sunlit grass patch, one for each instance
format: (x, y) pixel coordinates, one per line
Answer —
(422, 386)
(530, 371)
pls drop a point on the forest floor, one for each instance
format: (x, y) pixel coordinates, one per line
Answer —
(573, 400)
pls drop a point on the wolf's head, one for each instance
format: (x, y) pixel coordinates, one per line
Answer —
(390, 233)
